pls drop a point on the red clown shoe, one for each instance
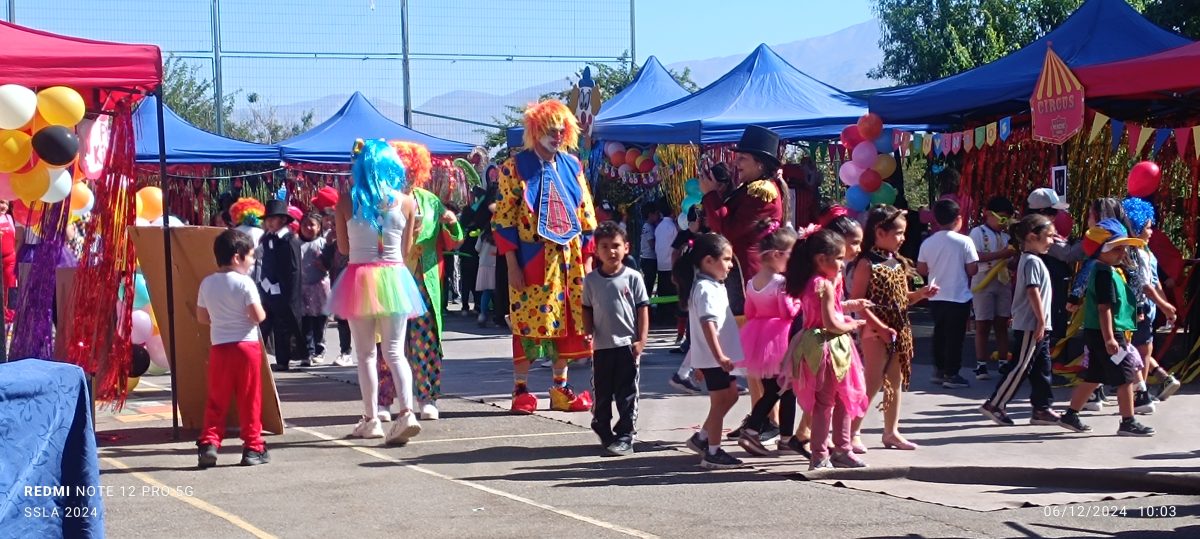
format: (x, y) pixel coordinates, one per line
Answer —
(564, 399)
(523, 401)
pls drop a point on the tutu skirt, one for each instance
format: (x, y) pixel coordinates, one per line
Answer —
(764, 344)
(851, 389)
(376, 290)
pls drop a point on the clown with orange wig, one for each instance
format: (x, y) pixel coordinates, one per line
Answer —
(543, 226)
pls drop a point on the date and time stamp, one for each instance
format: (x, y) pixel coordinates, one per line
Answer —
(92, 491)
(1110, 511)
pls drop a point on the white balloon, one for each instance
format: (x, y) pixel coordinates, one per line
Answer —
(18, 104)
(60, 186)
(142, 222)
(143, 329)
(158, 352)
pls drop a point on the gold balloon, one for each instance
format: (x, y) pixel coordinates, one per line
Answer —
(885, 165)
(16, 147)
(30, 186)
(131, 383)
(60, 105)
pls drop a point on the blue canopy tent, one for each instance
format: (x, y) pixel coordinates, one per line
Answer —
(332, 141)
(1100, 31)
(188, 144)
(762, 90)
(653, 86)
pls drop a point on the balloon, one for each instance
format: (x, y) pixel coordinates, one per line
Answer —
(886, 194)
(158, 352)
(885, 165)
(141, 331)
(131, 383)
(646, 166)
(31, 185)
(141, 361)
(631, 156)
(60, 105)
(864, 155)
(56, 145)
(59, 187)
(151, 203)
(850, 173)
(870, 126)
(18, 104)
(691, 187)
(617, 159)
(1063, 223)
(626, 169)
(16, 148)
(850, 137)
(23, 214)
(614, 148)
(1144, 179)
(870, 181)
(6, 192)
(81, 197)
(883, 143)
(141, 296)
(138, 221)
(857, 199)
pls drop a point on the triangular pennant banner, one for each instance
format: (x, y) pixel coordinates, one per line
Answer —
(991, 134)
(968, 144)
(1118, 131)
(897, 139)
(1196, 139)
(1005, 128)
(926, 143)
(980, 136)
(906, 145)
(939, 146)
(1098, 123)
(1160, 138)
(956, 142)
(1182, 137)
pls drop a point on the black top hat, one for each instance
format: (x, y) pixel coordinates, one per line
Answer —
(278, 208)
(760, 141)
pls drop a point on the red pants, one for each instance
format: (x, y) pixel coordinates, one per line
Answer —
(234, 372)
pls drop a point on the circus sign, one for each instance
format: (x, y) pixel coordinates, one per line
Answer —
(1057, 103)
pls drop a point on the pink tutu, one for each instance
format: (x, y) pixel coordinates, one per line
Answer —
(376, 290)
(851, 390)
(764, 343)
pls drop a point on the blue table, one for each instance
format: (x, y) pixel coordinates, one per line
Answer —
(49, 473)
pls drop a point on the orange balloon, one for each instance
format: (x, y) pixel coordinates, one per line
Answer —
(30, 186)
(151, 206)
(81, 196)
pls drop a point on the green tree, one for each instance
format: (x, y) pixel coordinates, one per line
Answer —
(609, 79)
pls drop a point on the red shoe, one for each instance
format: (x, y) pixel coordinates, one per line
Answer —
(564, 399)
(523, 401)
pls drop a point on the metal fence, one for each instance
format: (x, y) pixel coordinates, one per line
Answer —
(466, 59)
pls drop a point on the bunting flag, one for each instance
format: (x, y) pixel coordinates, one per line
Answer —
(926, 144)
(968, 143)
(1098, 123)
(980, 136)
(897, 139)
(1138, 136)
(1160, 138)
(1005, 128)
(906, 145)
(1196, 139)
(956, 142)
(991, 134)
(1182, 137)
(1118, 131)
(939, 143)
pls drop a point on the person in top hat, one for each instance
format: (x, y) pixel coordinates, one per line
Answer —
(756, 194)
(280, 283)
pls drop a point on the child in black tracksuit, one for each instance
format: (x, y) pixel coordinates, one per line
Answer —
(616, 310)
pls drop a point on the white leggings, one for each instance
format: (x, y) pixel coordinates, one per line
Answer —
(391, 330)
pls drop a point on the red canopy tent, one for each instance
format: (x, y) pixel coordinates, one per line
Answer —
(1174, 70)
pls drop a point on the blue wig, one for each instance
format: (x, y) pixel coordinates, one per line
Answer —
(378, 174)
(1140, 214)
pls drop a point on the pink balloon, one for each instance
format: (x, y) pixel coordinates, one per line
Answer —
(6, 192)
(1144, 179)
(849, 173)
(864, 154)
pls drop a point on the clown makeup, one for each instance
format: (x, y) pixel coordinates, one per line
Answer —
(553, 139)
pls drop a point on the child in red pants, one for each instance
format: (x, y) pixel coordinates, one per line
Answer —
(230, 305)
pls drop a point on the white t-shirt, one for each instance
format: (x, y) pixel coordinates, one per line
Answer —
(647, 242)
(226, 295)
(987, 240)
(710, 302)
(947, 254)
(664, 236)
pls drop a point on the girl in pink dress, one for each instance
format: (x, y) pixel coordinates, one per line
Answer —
(769, 313)
(826, 370)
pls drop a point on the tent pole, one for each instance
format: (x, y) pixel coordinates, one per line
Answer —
(162, 180)
(12, 11)
(218, 85)
(407, 67)
(632, 36)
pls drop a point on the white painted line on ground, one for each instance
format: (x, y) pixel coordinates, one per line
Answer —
(497, 437)
(483, 488)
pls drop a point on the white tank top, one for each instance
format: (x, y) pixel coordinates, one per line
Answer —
(369, 245)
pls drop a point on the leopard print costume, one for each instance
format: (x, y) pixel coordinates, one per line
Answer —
(888, 290)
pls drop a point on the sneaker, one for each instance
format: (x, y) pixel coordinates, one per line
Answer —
(846, 460)
(683, 384)
(429, 412)
(719, 461)
(1142, 404)
(619, 448)
(697, 445)
(737, 432)
(751, 442)
(997, 415)
(769, 434)
(823, 463)
(251, 457)
(1168, 388)
(1131, 427)
(344, 360)
(1095, 402)
(368, 428)
(384, 416)
(564, 399)
(1045, 417)
(981, 372)
(403, 429)
(1070, 421)
(955, 381)
(793, 445)
(207, 454)
(306, 362)
(318, 359)
(938, 378)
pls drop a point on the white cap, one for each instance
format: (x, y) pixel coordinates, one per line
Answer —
(1045, 197)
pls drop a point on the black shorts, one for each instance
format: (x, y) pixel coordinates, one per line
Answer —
(1144, 333)
(1101, 370)
(716, 379)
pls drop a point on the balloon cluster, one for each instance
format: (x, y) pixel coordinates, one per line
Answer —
(39, 145)
(148, 205)
(691, 197)
(144, 328)
(630, 160)
(1144, 179)
(870, 163)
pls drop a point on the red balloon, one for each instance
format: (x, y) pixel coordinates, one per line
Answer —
(870, 180)
(646, 166)
(1144, 179)
(870, 126)
(617, 159)
(850, 137)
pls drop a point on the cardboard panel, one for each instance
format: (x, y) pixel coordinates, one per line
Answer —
(192, 260)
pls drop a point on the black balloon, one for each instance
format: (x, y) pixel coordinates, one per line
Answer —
(56, 145)
(141, 361)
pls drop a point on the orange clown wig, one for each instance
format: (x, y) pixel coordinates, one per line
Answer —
(417, 162)
(551, 114)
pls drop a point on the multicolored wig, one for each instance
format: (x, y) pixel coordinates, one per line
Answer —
(247, 211)
(376, 173)
(1140, 214)
(540, 117)
(417, 162)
